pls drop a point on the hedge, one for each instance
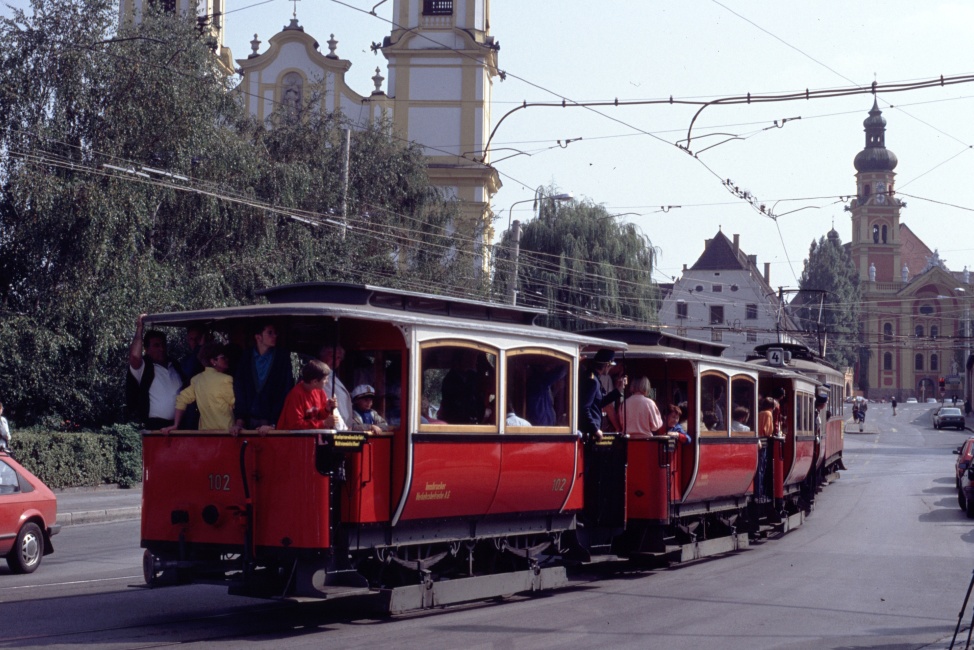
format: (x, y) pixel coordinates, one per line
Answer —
(82, 458)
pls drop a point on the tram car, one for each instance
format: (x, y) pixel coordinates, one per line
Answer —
(427, 513)
(816, 382)
(482, 484)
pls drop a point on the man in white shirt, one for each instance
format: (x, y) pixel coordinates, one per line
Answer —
(153, 380)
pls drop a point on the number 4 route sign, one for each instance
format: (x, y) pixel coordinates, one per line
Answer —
(775, 356)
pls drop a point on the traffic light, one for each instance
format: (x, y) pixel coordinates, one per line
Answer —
(943, 383)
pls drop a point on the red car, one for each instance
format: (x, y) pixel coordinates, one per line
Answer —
(28, 510)
(965, 454)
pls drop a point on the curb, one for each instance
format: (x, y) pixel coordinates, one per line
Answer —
(98, 516)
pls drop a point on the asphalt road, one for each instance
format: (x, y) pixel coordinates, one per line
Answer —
(884, 561)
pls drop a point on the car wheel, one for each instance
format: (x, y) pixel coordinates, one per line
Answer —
(960, 499)
(970, 508)
(26, 554)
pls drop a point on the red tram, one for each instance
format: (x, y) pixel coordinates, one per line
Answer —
(448, 505)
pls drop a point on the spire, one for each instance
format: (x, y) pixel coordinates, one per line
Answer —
(875, 157)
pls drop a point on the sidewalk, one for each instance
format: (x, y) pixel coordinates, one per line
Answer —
(97, 505)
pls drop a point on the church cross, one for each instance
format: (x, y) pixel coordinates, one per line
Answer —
(295, 14)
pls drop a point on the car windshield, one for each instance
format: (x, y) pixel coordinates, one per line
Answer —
(949, 411)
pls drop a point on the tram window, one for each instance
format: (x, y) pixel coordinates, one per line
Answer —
(459, 383)
(713, 404)
(742, 400)
(537, 389)
(800, 414)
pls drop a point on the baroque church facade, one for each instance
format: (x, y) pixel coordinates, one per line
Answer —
(442, 61)
(916, 313)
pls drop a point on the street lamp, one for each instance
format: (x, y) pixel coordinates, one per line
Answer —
(516, 236)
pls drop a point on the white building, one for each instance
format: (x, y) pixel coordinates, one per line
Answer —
(724, 298)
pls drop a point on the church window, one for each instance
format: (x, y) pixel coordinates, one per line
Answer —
(887, 331)
(865, 190)
(887, 361)
(926, 310)
(437, 7)
(681, 309)
(875, 234)
(934, 331)
(884, 234)
(934, 362)
(918, 362)
(292, 89)
(919, 331)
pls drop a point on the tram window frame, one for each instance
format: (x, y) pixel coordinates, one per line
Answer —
(490, 402)
(565, 395)
(705, 394)
(739, 385)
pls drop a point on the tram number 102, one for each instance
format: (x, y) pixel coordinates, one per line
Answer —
(220, 482)
(558, 485)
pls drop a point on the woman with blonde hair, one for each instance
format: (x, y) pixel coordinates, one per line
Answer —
(639, 415)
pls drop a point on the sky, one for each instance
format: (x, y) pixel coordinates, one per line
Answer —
(627, 158)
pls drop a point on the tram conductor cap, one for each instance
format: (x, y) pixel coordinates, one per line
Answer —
(363, 390)
(605, 356)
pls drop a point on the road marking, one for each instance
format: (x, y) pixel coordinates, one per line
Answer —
(73, 582)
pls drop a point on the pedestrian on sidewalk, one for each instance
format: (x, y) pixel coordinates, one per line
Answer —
(893, 401)
(4, 431)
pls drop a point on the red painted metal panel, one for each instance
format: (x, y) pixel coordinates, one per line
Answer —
(367, 489)
(802, 462)
(576, 500)
(453, 479)
(535, 476)
(646, 494)
(833, 437)
(725, 469)
(190, 472)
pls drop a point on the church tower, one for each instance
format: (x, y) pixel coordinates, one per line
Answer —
(442, 61)
(876, 210)
(208, 15)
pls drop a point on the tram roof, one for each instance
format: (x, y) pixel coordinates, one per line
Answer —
(343, 300)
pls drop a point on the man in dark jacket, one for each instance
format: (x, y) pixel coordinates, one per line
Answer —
(153, 380)
(591, 398)
(262, 381)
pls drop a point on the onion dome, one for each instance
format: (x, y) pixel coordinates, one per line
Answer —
(875, 157)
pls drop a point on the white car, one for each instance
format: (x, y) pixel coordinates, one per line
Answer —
(911, 400)
(931, 400)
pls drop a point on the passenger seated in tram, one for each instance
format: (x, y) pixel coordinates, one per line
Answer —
(540, 401)
(462, 401)
(674, 416)
(307, 405)
(741, 416)
(512, 420)
(639, 415)
(710, 421)
(364, 417)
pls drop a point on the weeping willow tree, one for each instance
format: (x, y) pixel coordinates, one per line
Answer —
(583, 266)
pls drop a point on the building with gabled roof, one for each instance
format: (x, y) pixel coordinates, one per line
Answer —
(724, 298)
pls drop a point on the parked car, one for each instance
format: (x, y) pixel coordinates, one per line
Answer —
(965, 454)
(949, 416)
(911, 400)
(28, 514)
(931, 400)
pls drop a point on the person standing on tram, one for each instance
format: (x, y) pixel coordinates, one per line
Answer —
(307, 405)
(591, 398)
(639, 416)
(262, 382)
(211, 391)
(333, 355)
(153, 380)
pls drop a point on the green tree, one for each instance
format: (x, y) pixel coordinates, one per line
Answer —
(584, 267)
(830, 275)
(90, 235)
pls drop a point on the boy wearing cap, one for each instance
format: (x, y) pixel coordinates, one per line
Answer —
(364, 418)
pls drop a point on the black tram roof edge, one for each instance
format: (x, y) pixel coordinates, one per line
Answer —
(410, 301)
(654, 337)
(270, 312)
